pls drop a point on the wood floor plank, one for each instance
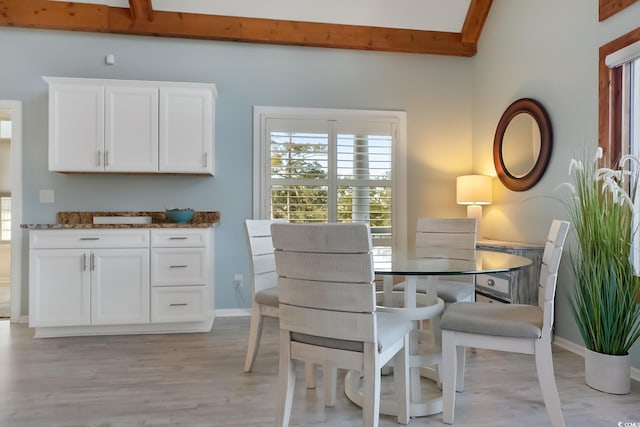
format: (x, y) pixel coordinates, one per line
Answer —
(196, 380)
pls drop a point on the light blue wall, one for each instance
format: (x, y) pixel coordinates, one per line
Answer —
(435, 91)
(547, 50)
(544, 49)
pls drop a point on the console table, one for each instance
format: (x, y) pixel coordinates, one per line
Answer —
(514, 287)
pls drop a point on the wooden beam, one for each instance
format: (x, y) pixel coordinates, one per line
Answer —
(607, 8)
(99, 18)
(141, 10)
(474, 22)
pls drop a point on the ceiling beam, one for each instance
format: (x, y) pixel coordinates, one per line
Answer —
(141, 9)
(104, 19)
(474, 22)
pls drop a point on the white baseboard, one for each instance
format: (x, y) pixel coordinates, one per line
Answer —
(579, 350)
(233, 312)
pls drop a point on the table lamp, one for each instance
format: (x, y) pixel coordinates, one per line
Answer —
(473, 191)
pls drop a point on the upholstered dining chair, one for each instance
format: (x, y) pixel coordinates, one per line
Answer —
(516, 328)
(264, 282)
(446, 237)
(328, 313)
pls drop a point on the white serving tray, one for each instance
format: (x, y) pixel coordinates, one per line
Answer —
(122, 220)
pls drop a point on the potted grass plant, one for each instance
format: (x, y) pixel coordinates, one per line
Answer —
(604, 301)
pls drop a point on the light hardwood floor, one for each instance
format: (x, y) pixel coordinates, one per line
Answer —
(196, 380)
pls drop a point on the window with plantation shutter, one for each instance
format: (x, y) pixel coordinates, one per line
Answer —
(332, 166)
(620, 110)
(5, 219)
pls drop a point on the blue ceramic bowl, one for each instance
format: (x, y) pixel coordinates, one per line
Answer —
(179, 216)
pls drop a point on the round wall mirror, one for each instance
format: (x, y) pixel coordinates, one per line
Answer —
(522, 144)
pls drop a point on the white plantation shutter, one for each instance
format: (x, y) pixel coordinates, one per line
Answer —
(333, 168)
(5, 218)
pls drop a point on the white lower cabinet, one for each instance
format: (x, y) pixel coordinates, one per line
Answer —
(90, 282)
(119, 286)
(179, 274)
(59, 288)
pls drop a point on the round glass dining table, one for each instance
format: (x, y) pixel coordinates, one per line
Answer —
(420, 306)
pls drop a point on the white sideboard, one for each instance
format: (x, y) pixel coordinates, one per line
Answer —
(120, 281)
(516, 287)
(130, 126)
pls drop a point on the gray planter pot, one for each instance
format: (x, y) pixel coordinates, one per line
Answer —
(608, 373)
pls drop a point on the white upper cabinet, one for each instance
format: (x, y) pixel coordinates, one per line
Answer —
(121, 126)
(131, 129)
(76, 127)
(186, 132)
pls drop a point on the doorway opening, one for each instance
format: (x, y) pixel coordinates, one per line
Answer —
(10, 210)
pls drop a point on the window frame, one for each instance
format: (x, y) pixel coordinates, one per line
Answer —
(613, 103)
(399, 157)
(610, 99)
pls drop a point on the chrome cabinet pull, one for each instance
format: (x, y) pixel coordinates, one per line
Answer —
(491, 282)
(99, 158)
(83, 262)
(89, 238)
(178, 304)
(92, 263)
(178, 238)
(178, 266)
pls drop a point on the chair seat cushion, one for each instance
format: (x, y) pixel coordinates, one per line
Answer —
(448, 290)
(506, 320)
(390, 329)
(268, 297)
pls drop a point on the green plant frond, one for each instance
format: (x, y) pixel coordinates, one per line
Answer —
(604, 300)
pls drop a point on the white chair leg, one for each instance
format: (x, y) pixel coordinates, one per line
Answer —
(546, 377)
(448, 371)
(461, 354)
(287, 381)
(401, 383)
(255, 332)
(371, 386)
(330, 383)
(310, 374)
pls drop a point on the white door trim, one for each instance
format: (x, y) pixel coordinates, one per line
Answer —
(15, 111)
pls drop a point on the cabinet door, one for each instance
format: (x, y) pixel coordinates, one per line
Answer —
(119, 286)
(59, 287)
(76, 128)
(186, 130)
(131, 129)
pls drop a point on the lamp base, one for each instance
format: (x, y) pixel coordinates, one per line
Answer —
(474, 211)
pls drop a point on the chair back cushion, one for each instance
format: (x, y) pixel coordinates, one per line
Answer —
(326, 280)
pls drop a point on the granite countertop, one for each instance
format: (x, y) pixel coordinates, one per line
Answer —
(84, 220)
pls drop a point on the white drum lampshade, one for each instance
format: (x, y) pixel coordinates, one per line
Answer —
(473, 191)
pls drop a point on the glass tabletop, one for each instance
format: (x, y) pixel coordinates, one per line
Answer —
(483, 262)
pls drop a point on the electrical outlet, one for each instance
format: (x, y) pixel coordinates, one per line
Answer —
(238, 280)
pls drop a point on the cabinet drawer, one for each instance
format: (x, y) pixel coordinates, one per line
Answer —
(178, 304)
(494, 284)
(180, 238)
(95, 238)
(179, 266)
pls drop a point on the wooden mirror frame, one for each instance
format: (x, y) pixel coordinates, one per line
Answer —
(539, 114)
